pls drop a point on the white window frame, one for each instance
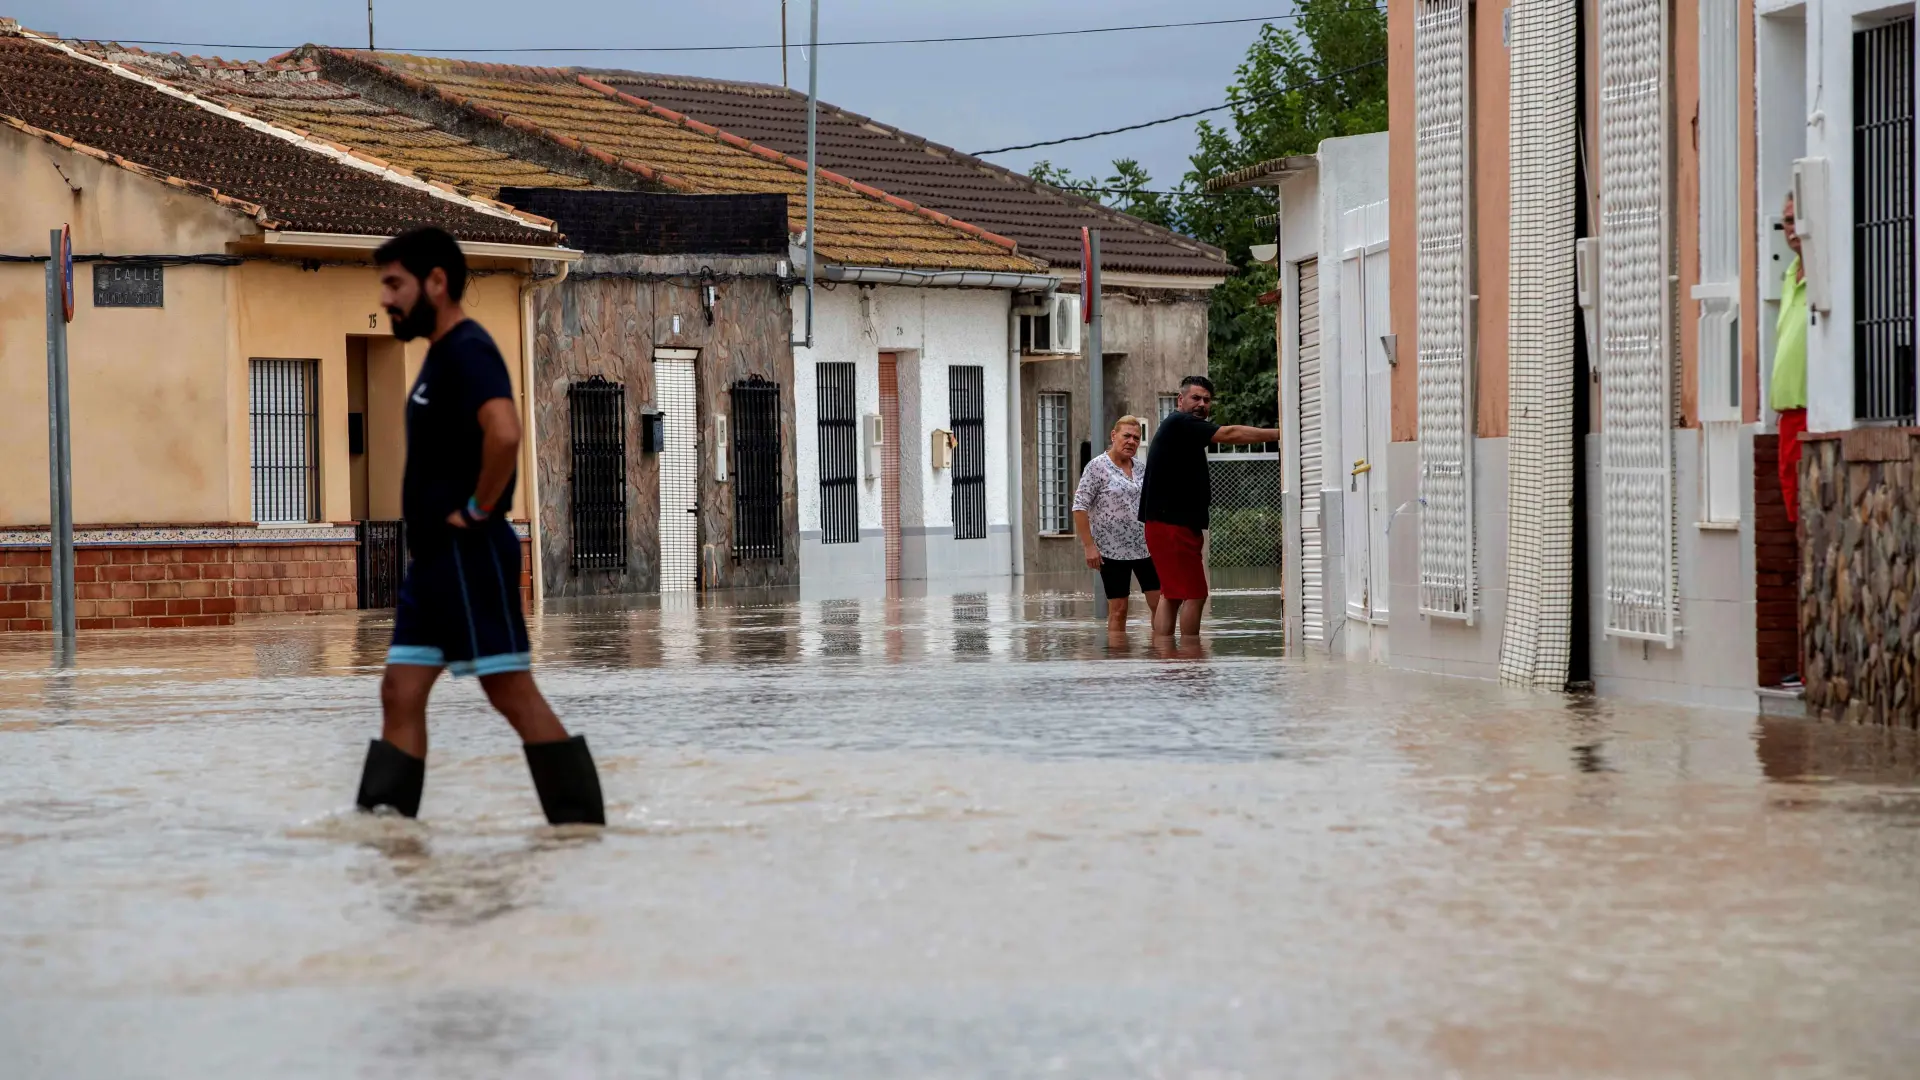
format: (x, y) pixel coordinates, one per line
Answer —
(1717, 355)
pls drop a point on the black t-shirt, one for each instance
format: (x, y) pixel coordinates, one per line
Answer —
(462, 372)
(1176, 490)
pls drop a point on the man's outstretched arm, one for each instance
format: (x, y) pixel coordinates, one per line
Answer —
(1242, 434)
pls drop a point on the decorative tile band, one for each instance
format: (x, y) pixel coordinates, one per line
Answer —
(182, 536)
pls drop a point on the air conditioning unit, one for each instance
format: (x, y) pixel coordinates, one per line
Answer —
(1057, 331)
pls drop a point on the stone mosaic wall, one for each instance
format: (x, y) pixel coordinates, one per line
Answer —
(1860, 569)
(606, 319)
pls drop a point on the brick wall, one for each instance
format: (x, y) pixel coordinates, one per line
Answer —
(154, 586)
(1776, 564)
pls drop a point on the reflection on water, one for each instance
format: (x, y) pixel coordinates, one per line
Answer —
(965, 834)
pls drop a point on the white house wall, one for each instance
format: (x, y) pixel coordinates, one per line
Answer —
(928, 330)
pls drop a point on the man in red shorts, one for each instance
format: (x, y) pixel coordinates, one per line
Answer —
(1175, 498)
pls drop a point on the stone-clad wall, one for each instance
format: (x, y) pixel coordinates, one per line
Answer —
(1860, 569)
(606, 319)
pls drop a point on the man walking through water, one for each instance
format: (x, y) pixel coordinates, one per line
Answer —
(1175, 501)
(460, 604)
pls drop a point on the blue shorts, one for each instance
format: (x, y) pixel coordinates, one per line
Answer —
(460, 605)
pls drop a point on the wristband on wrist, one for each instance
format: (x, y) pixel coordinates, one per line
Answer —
(474, 512)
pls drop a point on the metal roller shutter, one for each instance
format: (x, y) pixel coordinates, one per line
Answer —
(1313, 590)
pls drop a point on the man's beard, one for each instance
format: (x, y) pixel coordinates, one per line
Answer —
(421, 321)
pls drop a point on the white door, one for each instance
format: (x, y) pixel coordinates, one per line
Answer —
(1357, 488)
(1379, 419)
(673, 391)
(1312, 546)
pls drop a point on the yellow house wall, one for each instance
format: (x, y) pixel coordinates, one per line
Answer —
(150, 437)
(160, 395)
(287, 312)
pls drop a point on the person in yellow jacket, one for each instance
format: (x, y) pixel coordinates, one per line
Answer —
(1787, 392)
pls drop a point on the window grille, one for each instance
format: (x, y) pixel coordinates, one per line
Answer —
(1055, 492)
(286, 444)
(967, 409)
(381, 562)
(839, 455)
(756, 471)
(1883, 374)
(599, 483)
(1168, 403)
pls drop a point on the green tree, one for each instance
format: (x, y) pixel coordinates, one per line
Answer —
(1294, 90)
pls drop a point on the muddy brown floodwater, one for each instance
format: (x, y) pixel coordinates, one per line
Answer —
(947, 836)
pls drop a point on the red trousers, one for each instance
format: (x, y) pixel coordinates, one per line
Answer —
(1793, 423)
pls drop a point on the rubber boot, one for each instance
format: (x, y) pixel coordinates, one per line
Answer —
(568, 784)
(392, 777)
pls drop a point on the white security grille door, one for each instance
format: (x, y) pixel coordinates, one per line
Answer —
(1441, 64)
(285, 443)
(1719, 289)
(1364, 316)
(1313, 589)
(1636, 322)
(1056, 497)
(1379, 274)
(1536, 639)
(679, 475)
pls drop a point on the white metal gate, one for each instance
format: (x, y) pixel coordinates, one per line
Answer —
(1442, 62)
(674, 395)
(1313, 589)
(1636, 321)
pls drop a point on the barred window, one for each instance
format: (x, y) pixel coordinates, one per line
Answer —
(1168, 403)
(839, 455)
(1056, 493)
(285, 438)
(598, 486)
(1883, 380)
(756, 471)
(967, 408)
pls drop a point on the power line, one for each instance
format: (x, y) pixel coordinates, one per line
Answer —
(1330, 76)
(740, 48)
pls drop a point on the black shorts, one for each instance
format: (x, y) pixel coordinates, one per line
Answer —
(460, 605)
(1116, 576)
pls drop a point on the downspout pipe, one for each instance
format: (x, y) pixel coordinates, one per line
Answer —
(530, 457)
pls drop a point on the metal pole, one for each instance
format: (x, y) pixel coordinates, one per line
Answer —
(783, 43)
(59, 450)
(1096, 356)
(369, 25)
(813, 110)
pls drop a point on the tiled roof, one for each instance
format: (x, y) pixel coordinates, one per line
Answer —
(1044, 220)
(294, 94)
(858, 225)
(91, 108)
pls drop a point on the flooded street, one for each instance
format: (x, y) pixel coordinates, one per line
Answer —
(947, 836)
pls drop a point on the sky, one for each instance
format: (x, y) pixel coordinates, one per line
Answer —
(971, 96)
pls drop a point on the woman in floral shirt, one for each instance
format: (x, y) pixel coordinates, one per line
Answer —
(1106, 516)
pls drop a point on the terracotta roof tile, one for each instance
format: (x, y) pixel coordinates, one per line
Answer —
(297, 96)
(284, 185)
(1044, 220)
(858, 225)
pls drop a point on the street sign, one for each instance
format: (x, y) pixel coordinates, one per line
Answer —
(66, 272)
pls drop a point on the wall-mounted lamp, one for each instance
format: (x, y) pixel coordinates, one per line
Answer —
(709, 295)
(1264, 253)
(1390, 343)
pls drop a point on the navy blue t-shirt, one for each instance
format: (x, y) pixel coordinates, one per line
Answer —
(1178, 490)
(463, 371)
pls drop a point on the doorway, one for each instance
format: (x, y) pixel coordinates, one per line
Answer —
(376, 461)
(890, 460)
(673, 381)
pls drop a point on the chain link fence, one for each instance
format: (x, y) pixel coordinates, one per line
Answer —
(1246, 506)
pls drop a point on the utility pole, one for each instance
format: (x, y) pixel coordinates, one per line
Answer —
(813, 109)
(60, 302)
(783, 44)
(1096, 358)
(369, 25)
